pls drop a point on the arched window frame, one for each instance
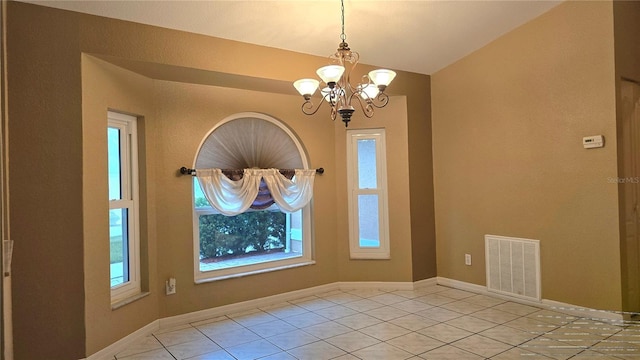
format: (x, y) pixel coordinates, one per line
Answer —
(307, 256)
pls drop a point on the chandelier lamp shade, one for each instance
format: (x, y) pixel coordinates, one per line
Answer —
(337, 90)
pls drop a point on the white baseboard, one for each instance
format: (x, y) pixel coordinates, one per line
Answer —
(353, 285)
(424, 283)
(461, 285)
(120, 345)
(599, 315)
(191, 317)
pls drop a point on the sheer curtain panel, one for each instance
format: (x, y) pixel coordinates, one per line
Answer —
(233, 197)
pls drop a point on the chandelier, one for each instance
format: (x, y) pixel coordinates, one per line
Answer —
(337, 90)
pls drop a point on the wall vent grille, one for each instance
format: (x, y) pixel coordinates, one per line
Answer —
(513, 266)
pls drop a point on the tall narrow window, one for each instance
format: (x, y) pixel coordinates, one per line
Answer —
(367, 186)
(123, 206)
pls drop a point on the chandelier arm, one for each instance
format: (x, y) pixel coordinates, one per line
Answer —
(366, 106)
(379, 101)
(307, 107)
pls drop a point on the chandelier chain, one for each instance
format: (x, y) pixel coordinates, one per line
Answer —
(343, 37)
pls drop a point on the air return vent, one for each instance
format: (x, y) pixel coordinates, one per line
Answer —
(513, 266)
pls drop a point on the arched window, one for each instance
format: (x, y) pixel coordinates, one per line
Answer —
(262, 238)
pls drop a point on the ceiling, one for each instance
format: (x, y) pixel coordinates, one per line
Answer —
(421, 36)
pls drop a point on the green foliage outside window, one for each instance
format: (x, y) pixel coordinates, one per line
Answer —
(250, 232)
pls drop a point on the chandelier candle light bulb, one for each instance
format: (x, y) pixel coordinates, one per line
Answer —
(339, 92)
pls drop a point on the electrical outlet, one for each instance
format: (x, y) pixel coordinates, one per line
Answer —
(170, 286)
(467, 259)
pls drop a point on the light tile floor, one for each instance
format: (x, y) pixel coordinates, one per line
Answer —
(435, 322)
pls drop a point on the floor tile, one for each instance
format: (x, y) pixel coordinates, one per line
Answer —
(352, 341)
(279, 356)
(614, 347)
(359, 321)
(515, 308)
(193, 348)
(462, 307)
(217, 327)
(145, 344)
(339, 297)
(160, 354)
(216, 355)
(253, 350)
(316, 351)
(413, 322)
(385, 331)
(412, 306)
(305, 320)
(180, 336)
(439, 314)
(484, 300)
(387, 313)
(495, 315)
(435, 299)
(284, 310)
(293, 339)
(335, 312)
(551, 348)
(272, 328)
(532, 325)
(592, 355)
(430, 322)
(387, 298)
(209, 321)
(382, 351)
(445, 333)
(252, 318)
(575, 336)
(457, 294)
(327, 330)
(471, 323)
(415, 343)
(233, 338)
(508, 335)
(363, 305)
(408, 294)
(313, 303)
(449, 352)
(481, 345)
(552, 317)
(521, 354)
(346, 357)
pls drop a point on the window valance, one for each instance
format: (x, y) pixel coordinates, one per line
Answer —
(232, 194)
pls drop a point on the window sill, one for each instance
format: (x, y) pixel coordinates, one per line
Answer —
(253, 272)
(120, 303)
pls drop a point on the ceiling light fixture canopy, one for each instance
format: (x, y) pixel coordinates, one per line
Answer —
(339, 92)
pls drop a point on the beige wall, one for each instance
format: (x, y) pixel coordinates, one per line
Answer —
(59, 96)
(45, 162)
(508, 122)
(627, 54)
(106, 87)
(627, 49)
(397, 268)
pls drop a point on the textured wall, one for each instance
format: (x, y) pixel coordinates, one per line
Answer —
(508, 122)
